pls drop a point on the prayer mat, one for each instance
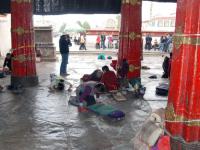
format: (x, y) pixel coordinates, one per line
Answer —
(106, 110)
(100, 109)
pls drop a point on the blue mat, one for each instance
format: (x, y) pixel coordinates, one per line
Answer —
(100, 109)
(106, 110)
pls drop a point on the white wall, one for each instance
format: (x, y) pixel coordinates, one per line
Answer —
(5, 35)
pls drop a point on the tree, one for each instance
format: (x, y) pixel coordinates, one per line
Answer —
(62, 28)
(85, 25)
(80, 24)
(118, 18)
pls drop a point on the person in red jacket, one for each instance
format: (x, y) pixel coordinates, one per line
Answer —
(98, 41)
(109, 79)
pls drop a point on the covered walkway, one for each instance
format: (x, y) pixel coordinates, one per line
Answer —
(39, 119)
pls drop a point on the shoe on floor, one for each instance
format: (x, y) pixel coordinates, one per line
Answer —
(64, 74)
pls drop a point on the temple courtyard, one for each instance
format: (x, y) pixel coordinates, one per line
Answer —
(38, 119)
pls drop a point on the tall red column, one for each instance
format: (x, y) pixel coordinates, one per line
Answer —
(183, 109)
(130, 37)
(23, 60)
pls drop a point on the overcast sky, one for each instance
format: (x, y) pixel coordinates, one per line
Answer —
(158, 9)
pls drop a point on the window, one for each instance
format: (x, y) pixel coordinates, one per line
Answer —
(172, 23)
(166, 23)
(160, 23)
(153, 23)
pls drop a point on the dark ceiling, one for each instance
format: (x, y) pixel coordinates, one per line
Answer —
(73, 6)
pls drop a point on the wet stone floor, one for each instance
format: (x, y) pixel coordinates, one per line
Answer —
(41, 120)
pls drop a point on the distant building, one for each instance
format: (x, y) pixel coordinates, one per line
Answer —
(158, 26)
(110, 24)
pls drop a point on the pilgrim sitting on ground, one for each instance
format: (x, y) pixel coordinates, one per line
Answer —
(167, 66)
(109, 79)
(86, 92)
(7, 63)
(94, 76)
(122, 73)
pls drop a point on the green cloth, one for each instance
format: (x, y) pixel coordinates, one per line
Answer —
(102, 109)
(109, 57)
(101, 56)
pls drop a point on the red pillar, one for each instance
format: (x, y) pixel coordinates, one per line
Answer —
(183, 109)
(23, 61)
(130, 37)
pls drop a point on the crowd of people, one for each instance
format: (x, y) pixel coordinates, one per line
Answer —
(107, 77)
(102, 42)
(165, 44)
(100, 81)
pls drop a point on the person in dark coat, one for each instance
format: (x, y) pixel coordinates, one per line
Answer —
(103, 39)
(123, 73)
(64, 44)
(124, 69)
(167, 66)
(170, 62)
(148, 44)
(7, 62)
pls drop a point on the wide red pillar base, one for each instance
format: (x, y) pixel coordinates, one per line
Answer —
(177, 144)
(24, 81)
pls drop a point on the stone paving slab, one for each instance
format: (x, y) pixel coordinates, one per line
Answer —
(40, 120)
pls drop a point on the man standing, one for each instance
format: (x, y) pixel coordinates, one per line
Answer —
(148, 45)
(82, 42)
(103, 38)
(64, 44)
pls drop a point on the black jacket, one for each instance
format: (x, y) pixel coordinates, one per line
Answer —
(64, 45)
(7, 62)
